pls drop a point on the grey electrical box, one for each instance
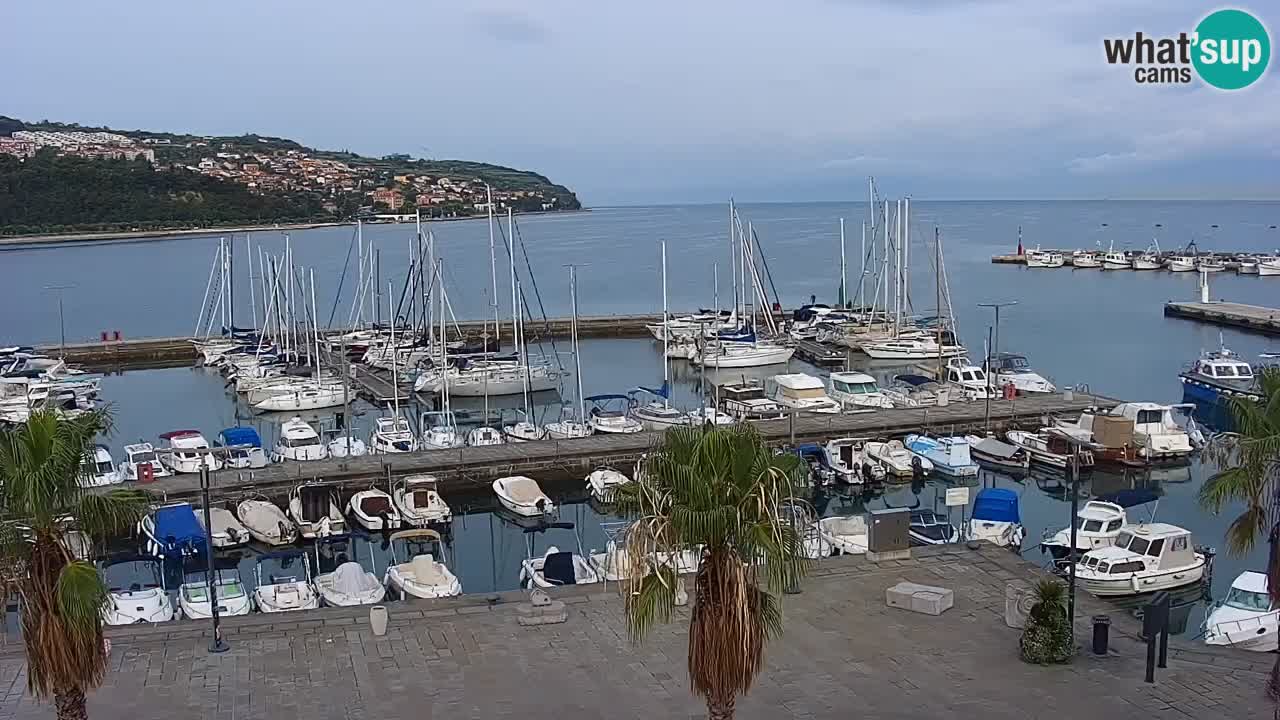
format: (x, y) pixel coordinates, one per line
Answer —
(887, 530)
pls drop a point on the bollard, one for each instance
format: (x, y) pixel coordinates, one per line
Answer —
(1101, 634)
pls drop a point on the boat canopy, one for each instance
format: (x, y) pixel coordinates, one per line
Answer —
(172, 434)
(1130, 498)
(606, 398)
(996, 505)
(811, 451)
(177, 525)
(914, 380)
(662, 392)
(239, 436)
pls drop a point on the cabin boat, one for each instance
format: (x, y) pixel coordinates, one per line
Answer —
(1247, 265)
(392, 435)
(896, 459)
(374, 509)
(847, 458)
(98, 469)
(187, 452)
(746, 400)
(193, 595)
(1048, 449)
(1181, 263)
(225, 531)
(1011, 368)
(348, 583)
(284, 582)
(930, 528)
(968, 378)
(172, 533)
(135, 591)
(1217, 375)
(314, 508)
(1116, 260)
(522, 496)
(417, 499)
(1155, 432)
(440, 431)
(1085, 259)
(857, 391)
(602, 482)
(249, 453)
(815, 456)
(1145, 558)
(1246, 618)
(1098, 524)
(801, 516)
(414, 570)
(1268, 266)
(948, 455)
(801, 392)
(1210, 264)
(265, 522)
(911, 390)
(996, 518)
(656, 414)
(990, 452)
(609, 415)
(298, 441)
(140, 462)
(1044, 259)
(844, 534)
(556, 568)
(1148, 260)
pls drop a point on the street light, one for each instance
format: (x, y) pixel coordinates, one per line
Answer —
(1073, 474)
(62, 323)
(993, 351)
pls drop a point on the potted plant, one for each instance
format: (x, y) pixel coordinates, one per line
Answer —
(1046, 640)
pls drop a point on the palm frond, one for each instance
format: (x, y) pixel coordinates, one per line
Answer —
(81, 596)
(651, 601)
(110, 514)
(1243, 532)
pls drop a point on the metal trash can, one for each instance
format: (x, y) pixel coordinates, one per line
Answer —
(1101, 634)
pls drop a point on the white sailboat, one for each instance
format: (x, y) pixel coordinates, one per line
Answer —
(658, 414)
(571, 426)
(392, 434)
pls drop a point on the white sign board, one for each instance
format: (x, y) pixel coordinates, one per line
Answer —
(957, 496)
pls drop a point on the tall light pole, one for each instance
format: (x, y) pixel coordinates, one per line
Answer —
(62, 318)
(994, 352)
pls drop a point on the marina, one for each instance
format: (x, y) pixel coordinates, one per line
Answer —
(1253, 318)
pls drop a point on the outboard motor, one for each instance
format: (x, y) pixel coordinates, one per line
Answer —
(917, 468)
(867, 474)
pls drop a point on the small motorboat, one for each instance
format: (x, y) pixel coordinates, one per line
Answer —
(348, 583)
(98, 469)
(299, 442)
(801, 516)
(657, 413)
(857, 392)
(440, 431)
(265, 522)
(284, 583)
(522, 496)
(227, 532)
(248, 453)
(948, 455)
(992, 453)
(141, 463)
(568, 427)
(484, 436)
(347, 446)
(193, 595)
(910, 390)
(314, 508)
(171, 532)
(373, 509)
(800, 392)
(1145, 558)
(556, 568)
(996, 519)
(609, 415)
(392, 435)
(1116, 260)
(845, 534)
(1011, 368)
(603, 481)
(930, 528)
(1085, 259)
(1098, 524)
(186, 451)
(847, 457)
(417, 499)
(1246, 618)
(896, 459)
(414, 570)
(135, 591)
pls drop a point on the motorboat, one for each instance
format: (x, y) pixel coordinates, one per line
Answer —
(373, 509)
(602, 482)
(609, 415)
(739, 355)
(801, 392)
(440, 431)
(968, 379)
(568, 428)
(1220, 374)
(348, 583)
(392, 435)
(284, 582)
(845, 534)
(996, 518)
(1269, 266)
(1145, 558)
(186, 451)
(803, 519)
(346, 446)
(1181, 263)
(417, 499)
(746, 400)
(815, 457)
(992, 453)
(193, 595)
(1116, 260)
(1085, 259)
(556, 568)
(1246, 619)
(857, 391)
(265, 522)
(135, 591)
(522, 496)
(921, 348)
(948, 455)
(484, 436)
(910, 390)
(615, 563)
(1155, 432)
(299, 442)
(172, 533)
(930, 528)
(1247, 265)
(1210, 264)
(414, 570)
(1045, 259)
(314, 508)
(248, 453)
(1011, 368)
(226, 531)
(1047, 449)
(710, 416)
(141, 463)
(98, 469)
(847, 458)
(1148, 260)
(1097, 524)
(896, 459)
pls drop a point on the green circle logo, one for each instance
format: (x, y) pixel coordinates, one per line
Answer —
(1231, 49)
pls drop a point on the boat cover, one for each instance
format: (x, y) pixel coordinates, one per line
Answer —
(914, 380)
(240, 436)
(1129, 498)
(176, 525)
(996, 505)
(811, 451)
(557, 569)
(352, 580)
(995, 448)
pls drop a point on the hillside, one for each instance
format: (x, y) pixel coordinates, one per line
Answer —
(57, 178)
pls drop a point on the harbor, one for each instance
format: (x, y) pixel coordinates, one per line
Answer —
(1252, 318)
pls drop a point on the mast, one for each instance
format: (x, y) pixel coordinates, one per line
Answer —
(884, 274)
(493, 271)
(315, 324)
(573, 326)
(431, 325)
(377, 281)
(666, 358)
(906, 253)
(395, 383)
(360, 291)
(715, 287)
(253, 301)
(523, 358)
(862, 268)
(844, 281)
(231, 286)
(733, 260)
(937, 262)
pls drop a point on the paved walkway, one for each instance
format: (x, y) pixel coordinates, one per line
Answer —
(844, 655)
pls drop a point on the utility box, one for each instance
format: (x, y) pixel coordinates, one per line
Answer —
(887, 531)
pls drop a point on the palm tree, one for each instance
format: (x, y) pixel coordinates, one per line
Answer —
(1046, 639)
(61, 598)
(716, 492)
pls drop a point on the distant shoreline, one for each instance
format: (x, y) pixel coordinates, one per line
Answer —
(10, 242)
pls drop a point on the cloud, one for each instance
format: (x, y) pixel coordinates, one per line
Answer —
(509, 26)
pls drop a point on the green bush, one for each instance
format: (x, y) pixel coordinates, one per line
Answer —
(1046, 640)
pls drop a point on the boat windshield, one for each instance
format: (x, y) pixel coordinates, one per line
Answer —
(228, 587)
(300, 442)
(103, 467)
(1146, 417)
(143, 457)
(855, 388)
(278, 569)
(131, 576)
(1242, 599)
(1016, 364)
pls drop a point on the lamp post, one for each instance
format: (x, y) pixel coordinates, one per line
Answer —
(1073, 474)
(993, 352)
(217, 645)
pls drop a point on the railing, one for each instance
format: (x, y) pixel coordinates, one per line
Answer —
(1253, 623)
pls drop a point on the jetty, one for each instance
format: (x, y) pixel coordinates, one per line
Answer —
(1254, 318)
(1230, 259)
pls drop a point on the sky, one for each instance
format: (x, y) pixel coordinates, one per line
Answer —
(673, 101)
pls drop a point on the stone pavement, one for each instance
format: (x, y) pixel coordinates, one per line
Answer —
(844, 655)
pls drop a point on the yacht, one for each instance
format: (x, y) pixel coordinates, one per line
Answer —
(1085, 259)
(1246, 619)
(848, 459)
(803, 393)
(135, 591)
(968, 379)
(857, 391)
(924, 348)
(739, 355)
(1218, 375)
(392, 435)
(284, 582)
(948, 455)
(1012, 368)
(98, 469)
(298, 441)
(248, 454)
(657, 414)
(524, 430)
(141, 463)
(490, 377)
(909, 390)
(1145, 558)
(896, 459)
(996, 519)
(309, 395)
(1181, 263)
(186, 451)
(609, 415)
(346, 446)
(1247, 265)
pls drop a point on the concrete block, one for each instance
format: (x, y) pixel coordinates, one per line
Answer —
(925, 599)
(879, 557)
(541, 610)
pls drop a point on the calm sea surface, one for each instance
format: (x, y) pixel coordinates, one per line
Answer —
(1079, 327)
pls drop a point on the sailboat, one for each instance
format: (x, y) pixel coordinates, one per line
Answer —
(571, 426)
(658, 413)
(440, 428)
(524, 429)
(344, 445)
(316, 392)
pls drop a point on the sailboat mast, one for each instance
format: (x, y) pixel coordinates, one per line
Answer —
(361, 284)
(844, 276)
(253, 301)
(666, 358)
(431, 324)
(884, 272)
(395, 383)
(523, 357)
(315, 323)
(577, 356)
(493, 270)
(733, 260)
(862, 268)
(231, 285)
(715, 287)
(937, 262)
(906, 253)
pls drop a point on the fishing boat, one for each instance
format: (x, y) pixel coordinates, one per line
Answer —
(172, 533)
(1145, 558)
(1181, 263)
(948, 455)
(1085, 259)
(284, 582)
(392, 435)
(930, 528)
(522, 496)
(1246, 619)
(1116, 260)
(1148, 260)
(609, 415)
(225, 530)
(98, 469)
(1269, 266)
(186, 451)
(414, 570)
(348, 584)
(135, 591)
(848, 459)
(374, 510)
(857, 391)
(140, 462)
(896, 459)
(997, 455)
(298, 442)
(314, 508)
(1045, 259)
(602, 482)
(801, 392)
(996, 518)
(417, 499)
(845, 534)
(1218, 375)
(1210, 264)
(193, 595)
(1012, 368)
(265, 522)
(248, 453)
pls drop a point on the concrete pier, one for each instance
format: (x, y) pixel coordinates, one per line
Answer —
(1254, 318)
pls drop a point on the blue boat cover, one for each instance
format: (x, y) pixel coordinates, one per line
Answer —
(179, 523)
(811, 450)
(601, 398)
(996, 505)
(662, 392)
(914, 379)
(1130, 498)
(240, 436)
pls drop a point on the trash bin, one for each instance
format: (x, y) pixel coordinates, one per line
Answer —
(1101, 634)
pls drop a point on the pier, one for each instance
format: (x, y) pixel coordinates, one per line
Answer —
(816, 353)
(1229, 259)
(1254, 318)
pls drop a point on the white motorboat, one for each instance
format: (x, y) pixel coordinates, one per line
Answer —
(373, 509)
(248, 453)
(568, 429)
(1247, 265)
(556, 568)
(314, 508)
(1011, 368)
(910, 390)
(414, 570)
(603, 481)
(896, 459)
(1044, 259)
(284, 583)
(948, 455)
(996, 518)
(265, 522)
(1210, 264)
(172, 533)
(923, 348)
(1116, 260)
(392, 435)
(746, 400)
(1149, 260)
(1157, 434)
(930, 528)
(1246, 619)
(1269, 266)
(348, 583)
(98, 469)
(185, 451)
(968, 380)
(484, 436)
(801, 392)
(857, 391)
(1145, 558)
(417, 499)
(709, 415)
(1098, 524)
(299, 441)
(193, 595)
(522, 496)
(440, 431)
(657, 414)
(609, 415)
(847, 458)
(141, 463)
(1085, 259)
(227, 532)
(845, 534)
(1181, 263)
(135, 591)
(347, 446)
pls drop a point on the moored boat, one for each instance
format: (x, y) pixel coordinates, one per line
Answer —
(1145, 558)
(1246, 619)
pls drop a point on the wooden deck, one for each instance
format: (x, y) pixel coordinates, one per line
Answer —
(1255, 318)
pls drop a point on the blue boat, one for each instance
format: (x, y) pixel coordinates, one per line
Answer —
(996, 518)
(250, 455)
(1213, 380)
(172, 532)
(949, 455)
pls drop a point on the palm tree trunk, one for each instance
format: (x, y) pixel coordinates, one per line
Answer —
(720, 710)
(70, 705)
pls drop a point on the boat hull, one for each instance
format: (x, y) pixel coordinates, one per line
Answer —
(1118, 587)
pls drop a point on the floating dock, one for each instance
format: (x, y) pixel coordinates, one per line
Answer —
(816, 353)
(1254, 318)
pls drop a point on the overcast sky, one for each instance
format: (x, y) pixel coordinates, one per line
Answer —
(671, 101)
